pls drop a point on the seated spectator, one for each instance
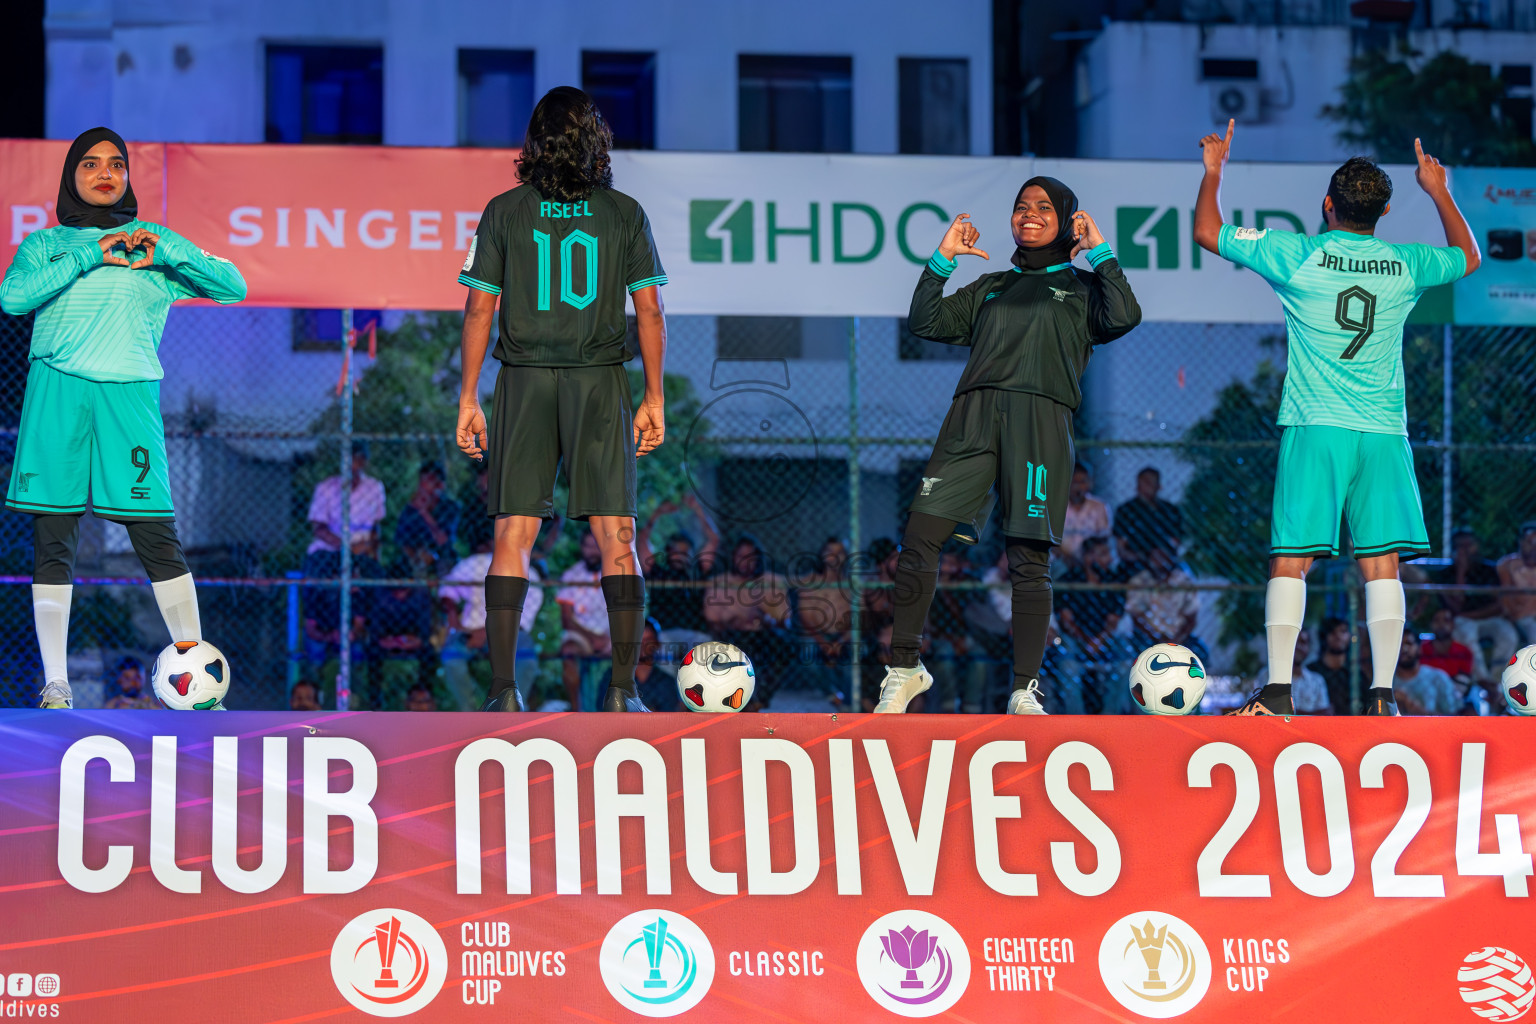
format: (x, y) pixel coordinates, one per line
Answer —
(305, 696)
(366, 511)
(824, 613)
(399, 648)
(466, 653)
(1087, 515)
(1309, 690)
(679, 610)
(1518, 569)
(425, 531)
(1422, 689)
(420, 698)
(1332, 664)
(748, 605)
(1444, 653)
(322, 626)
(1478, 616)
(879, 605)
(656, 683)
(1147, 521)
(1160, 615)
(128, 691)
(583, 616)
(1092, 656)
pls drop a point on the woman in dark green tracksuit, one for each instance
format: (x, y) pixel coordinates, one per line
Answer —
(1031, 330)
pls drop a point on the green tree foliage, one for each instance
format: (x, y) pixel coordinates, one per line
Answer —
(1448, 101)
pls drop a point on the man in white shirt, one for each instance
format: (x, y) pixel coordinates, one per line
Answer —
(1161, 615)
(583, 616)
(366, 510)
(1087, 514)
(1428, 690)
(466, 664)
(1309, 690)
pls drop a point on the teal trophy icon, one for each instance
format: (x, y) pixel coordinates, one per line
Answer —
(655, 944)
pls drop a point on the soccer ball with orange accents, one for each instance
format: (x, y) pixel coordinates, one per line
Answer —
(716, 677)
(1519, 682)
(191, 675)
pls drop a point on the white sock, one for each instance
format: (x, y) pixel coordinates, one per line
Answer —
(177, 599)
(50, 611)
(1285, 601)
(1385, 612)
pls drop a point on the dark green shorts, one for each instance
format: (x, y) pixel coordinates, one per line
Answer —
(1020, 443)
(578, 416)
(88, 442)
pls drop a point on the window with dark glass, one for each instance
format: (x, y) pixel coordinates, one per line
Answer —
(495, 97)
(325, 94)
(623, 85)
(794, 104)
(935, 101)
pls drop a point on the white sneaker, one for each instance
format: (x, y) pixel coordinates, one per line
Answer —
(1027, 700)
(900, 686)
(56, 695)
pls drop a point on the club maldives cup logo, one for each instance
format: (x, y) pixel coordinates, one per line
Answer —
(913, 963)
(1155, 964)
(389, 963)
(657, 963)
(1496, 984)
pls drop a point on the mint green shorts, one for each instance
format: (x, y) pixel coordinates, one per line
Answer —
(87, 442)
(1332, 473)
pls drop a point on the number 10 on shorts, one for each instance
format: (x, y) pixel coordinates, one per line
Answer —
(1034, 483)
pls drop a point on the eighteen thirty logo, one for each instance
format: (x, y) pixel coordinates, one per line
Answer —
(1155, 964)
(657, 963)
(1496, 984)
(389, 963)
(913, 963)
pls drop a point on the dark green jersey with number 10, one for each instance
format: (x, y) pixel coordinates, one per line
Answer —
(562, 271)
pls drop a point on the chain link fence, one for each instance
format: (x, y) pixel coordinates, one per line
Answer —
(772, 513)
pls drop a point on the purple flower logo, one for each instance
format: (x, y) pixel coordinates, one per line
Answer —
(912, 951)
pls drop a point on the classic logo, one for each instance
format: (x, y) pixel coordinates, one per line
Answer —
(389, 963)
(1496, 984)
(1154, 964)
(657, 963)
(913, 963)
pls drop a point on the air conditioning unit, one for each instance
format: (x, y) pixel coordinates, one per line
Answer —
(1233, 83)
(1237, 100)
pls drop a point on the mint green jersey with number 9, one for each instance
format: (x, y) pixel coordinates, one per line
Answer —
(1346, 297)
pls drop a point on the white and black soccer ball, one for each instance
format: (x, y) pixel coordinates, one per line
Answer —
(716, 678)
(191, 675)
(1167, 679)
(1519, 682)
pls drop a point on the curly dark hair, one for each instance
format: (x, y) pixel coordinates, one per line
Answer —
(565, 154)
(1360, 192)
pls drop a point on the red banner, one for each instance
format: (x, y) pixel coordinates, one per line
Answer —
(763, 867)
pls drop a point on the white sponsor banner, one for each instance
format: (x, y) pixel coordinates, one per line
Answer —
(816, 235)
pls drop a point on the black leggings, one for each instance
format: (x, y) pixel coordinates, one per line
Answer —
(56, 538)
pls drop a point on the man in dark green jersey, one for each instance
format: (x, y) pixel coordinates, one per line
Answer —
(1031, 330)
(560, 252)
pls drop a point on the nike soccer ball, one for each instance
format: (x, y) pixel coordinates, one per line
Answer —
(191, 675)
(1520, 682)
(1168, 680)
(716, 677)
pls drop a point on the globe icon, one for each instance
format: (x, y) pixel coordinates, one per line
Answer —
(46, 985)
(1496, 984)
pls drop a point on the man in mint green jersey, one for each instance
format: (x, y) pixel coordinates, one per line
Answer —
(1344, 450)
(101, 284)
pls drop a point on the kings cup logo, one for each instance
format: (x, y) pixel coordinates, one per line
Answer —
(1155, 964)
(657, 963)
(389, 963)
(913, 963)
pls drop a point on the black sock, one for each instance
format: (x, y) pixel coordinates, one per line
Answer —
(917, 572)
(503, 618)
(625, 596)
(1029, 564)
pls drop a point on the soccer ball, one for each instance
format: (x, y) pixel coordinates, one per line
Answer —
(1168, 680)
(1520, 682)
(191, 675)
(716, 677)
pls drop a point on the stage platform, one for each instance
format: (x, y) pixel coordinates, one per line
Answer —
(281, 867)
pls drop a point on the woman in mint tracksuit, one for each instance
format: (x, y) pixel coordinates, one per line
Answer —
(101, 284)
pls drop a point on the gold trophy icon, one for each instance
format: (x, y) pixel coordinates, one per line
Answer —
(1150, 943)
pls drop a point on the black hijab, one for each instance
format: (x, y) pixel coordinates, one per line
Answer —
(1059, 249)
(75, 212)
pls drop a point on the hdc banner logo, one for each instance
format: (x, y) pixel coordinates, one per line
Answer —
(389, 963)
(657, 963)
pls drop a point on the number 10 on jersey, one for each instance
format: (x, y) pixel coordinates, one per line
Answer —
(568, 295)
